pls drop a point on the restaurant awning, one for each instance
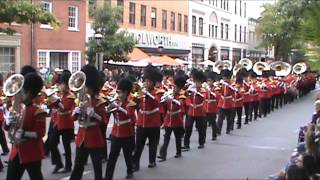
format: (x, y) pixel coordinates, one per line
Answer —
(137, 55)
(164, 60)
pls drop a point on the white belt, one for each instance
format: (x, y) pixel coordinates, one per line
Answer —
(86, 125)
(226, 97)
(149, 112)
(247, 93)
(239, 99)
(119, 123)
(196, 105)
(174, 112)
(63, 113)
(211, 100)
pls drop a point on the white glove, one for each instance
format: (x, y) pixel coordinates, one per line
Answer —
(91, 113)
(19, 134)
(76, 110)
(55, 98)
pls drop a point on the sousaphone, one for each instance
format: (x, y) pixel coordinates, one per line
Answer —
(281, 68)
(299, 68)
(246, 63)
(258, 67)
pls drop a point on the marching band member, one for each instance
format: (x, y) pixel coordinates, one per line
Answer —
(238, 102)
(211, 103)
(28, 149)
(174, 109)
(254, 97)
(65, 124)
(149, 120)
(123, 129)
(3, 141)
(196, 112)
(264, 91)
(225, 103)
(247, 100)
(90, 140)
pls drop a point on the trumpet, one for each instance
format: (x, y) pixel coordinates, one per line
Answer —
(228, 85)
(12, 88)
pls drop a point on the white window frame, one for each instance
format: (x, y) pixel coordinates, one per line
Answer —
(76, 28)
(47, 26)
(70, 61)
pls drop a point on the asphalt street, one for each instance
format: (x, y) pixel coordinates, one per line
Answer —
(254, 152)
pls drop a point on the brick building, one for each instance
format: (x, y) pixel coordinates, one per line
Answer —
(40, 45)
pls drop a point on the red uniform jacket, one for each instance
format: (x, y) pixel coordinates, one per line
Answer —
(226, 101)
(124, 120)
(64, 117)
(174, 110)
(1, 113)
(31, 150)
(254, 95)
(91, 137)
(211, 101)
(246, 93)
(264, 90)
(149, 111)
(238, 98)
(195, 103)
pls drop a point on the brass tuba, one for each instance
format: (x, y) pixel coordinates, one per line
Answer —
(12, 87)
(76, 84)
(258, 67)
(299, 68)
(281, 68)
(246, 63)
(220, 65)
(236, 68)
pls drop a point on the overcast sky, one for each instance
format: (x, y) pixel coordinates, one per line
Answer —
(254, 7)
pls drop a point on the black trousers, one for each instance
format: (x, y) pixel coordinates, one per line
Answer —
(224, 114)
(238, 112)
(127, 145)
(3, 141)
(153, 135)
(272, 102)
(105, 149)
(211, 120)
(200, 124)
(82, 154)
(178, 131)
(15, 169)
(47, 144)
(264, 103)
(247, 112)
(254, 109)
(67, 137)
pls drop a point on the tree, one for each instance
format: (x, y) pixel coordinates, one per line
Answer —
(23, 12)
(115, 44)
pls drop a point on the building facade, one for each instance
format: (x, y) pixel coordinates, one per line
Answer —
(42, 46)
(159, 27)
(218, 30)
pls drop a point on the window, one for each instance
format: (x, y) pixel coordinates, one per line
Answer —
(212, 31)
(120, 5)
(245, 34)
(75, 62)
(235, 6)
(224, 4)
(179, 22)
(185, 21)
(227, 5)
(132, 13)
(42, 59)
(154, 17)
(7, 59)
(216, 3)
(216, 32)
(221, 30)
(201, 26)
(209, 30)
(240, 7)
(194, 21)
(221, 4)
(143, 15)
(172, 21)
(235, 32)
(227, 31)
(245, 10)
(73, 18)
(164, 19)
(46, 6)
(107, 2)
(240, 34)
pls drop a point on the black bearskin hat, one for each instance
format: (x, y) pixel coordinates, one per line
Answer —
(168, 72)
(92, 78)
(180, 81)
(226, 73)
(272, 73)
(243, 72)
(32, 83)
(253, 74)
(131, 77)
(64, 77)
(265, 74)
(27, 69)
(212, 75)
(125, 85)
(198, 76)
(152, 73)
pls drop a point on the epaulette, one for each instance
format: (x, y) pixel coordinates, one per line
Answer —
(40, 111)
(131, 104)
(182, 97)
(160, 91)
(71, 96)
(100, 101)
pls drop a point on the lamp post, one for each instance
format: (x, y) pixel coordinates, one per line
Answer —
(99, 59)
(160, 48)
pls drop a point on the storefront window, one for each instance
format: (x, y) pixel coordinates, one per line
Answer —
(7, 59)
(224, 54)
(197, 55)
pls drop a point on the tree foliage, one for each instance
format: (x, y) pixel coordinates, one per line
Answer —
(115, 44)
(23, 12)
